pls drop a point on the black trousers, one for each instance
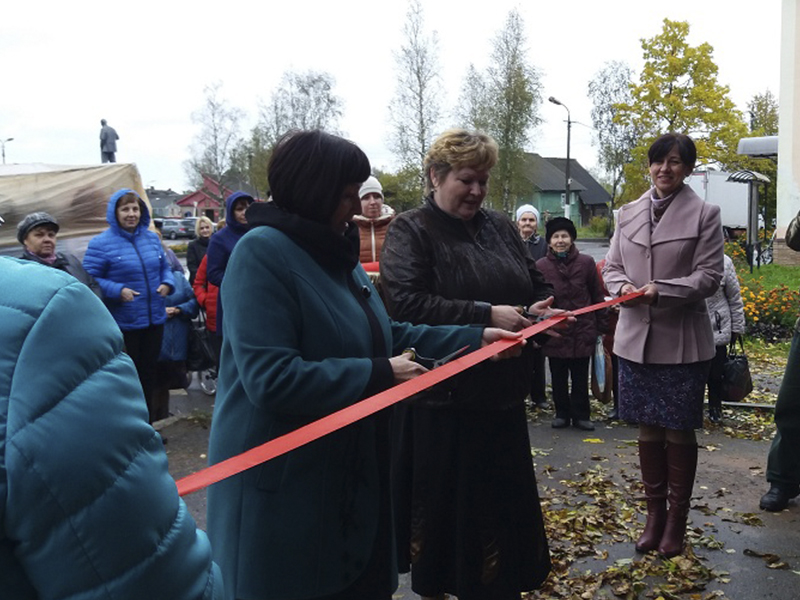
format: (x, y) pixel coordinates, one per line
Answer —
(144, 346)
(538, 377)
(715, 375)
(571, 403)
(783, 463)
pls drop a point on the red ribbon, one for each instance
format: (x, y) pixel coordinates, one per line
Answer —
(364, 408)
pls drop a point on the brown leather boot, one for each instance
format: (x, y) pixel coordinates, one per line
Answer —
(653, 461)
(681, 469)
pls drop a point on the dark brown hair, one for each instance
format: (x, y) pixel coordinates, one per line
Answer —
(309, 170)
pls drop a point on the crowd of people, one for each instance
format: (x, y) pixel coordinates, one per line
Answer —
(441, 485)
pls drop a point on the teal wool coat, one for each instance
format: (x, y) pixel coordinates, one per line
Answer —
(297, 346)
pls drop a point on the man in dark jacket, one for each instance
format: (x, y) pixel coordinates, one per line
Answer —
(108, 142)
(37, 233)
(783, 463)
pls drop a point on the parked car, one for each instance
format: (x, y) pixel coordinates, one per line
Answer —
(174, 228)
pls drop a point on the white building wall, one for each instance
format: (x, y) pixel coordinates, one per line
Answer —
(789, 117)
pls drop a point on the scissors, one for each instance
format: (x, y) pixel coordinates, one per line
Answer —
(432, 363)
(530, 316)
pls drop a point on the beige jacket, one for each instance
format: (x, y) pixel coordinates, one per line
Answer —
(683, 257)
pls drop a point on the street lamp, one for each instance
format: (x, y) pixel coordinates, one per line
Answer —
(3, 145)
(569, 128)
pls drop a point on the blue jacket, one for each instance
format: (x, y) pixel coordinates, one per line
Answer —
(176, 331)
(117, 259)
(87, 507)
(298, 346)
(220, 247)
(222, 242)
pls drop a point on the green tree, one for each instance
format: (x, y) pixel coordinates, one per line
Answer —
(400, 189)
(504, 102)
(678, 91)
(213, 147)
(610, 88)
(763, 111)
(415, 108)
(301, 101)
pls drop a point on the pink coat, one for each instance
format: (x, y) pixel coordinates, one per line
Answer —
(683, 257)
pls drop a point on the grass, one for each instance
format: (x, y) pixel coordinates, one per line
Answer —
(772, 276)
(766, 351)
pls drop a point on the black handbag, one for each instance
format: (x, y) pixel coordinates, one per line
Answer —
(736, 380)
(200, 355)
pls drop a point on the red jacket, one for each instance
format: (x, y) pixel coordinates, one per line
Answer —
(206, 293)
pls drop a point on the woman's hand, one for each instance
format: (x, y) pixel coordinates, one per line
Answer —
(543, 309)
(649, 294)
(508, 318)
(404, 368)
(493, 334)
(173, 311)
(163, 290)
(127, 294)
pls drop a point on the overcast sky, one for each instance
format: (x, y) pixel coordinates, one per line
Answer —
(143, 65)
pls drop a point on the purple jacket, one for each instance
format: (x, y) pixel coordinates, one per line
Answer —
(576, 285)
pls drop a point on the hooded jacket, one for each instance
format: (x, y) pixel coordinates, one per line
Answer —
(119, 259)
(175, 343)
(222, 242)
(220, 247)
(87, 507)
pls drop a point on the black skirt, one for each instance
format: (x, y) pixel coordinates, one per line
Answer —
(669, 396)
(467, 510)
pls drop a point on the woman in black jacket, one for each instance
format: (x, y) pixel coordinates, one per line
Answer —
(467, 508)
(198, 247)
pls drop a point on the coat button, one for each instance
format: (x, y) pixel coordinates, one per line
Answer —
(645, 320)
(647, 254)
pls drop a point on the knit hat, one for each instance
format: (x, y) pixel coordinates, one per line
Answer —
(34, 220)
(369, 186)
(560, 224)
(527, 208)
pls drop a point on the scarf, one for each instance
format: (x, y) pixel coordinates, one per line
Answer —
(331, 250)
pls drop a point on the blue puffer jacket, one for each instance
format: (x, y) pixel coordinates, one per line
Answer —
(118, 259)
(176, 332)
(87, 507)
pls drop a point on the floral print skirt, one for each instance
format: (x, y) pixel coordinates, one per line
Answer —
(669, 396)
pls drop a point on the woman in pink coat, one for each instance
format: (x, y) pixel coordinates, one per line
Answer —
(668, 244)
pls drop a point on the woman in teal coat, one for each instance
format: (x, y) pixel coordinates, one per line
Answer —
(306, 334)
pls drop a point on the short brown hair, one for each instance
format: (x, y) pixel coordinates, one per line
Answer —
(457, 148)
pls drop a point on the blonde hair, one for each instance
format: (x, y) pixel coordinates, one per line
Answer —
(457, 148)
(199, 222)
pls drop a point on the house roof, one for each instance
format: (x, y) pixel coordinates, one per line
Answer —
(547, 177)
(211, 190)
(162, 198)
(592, 192)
